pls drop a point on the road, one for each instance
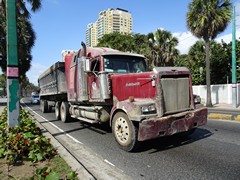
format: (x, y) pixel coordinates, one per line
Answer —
(212, 152)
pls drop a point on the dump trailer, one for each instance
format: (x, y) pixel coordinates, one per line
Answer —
(103, 85)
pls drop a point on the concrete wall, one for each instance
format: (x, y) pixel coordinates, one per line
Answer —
(221, 93)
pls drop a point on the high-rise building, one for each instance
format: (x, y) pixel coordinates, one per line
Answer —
(109, 21)
(91, 39)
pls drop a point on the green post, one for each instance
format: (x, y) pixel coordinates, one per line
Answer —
(12, 65)
(234, 76)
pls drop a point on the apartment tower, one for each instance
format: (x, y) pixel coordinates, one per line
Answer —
(109, 21)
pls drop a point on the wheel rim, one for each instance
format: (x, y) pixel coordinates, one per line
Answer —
(122, 131)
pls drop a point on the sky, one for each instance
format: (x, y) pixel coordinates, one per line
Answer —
(61, 25)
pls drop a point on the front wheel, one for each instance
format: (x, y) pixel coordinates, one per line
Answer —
(125, 132)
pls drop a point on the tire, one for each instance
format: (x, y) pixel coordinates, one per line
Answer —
(49, 108)
(125, 132)
(44, 106)
(57, 110)
(64, 112)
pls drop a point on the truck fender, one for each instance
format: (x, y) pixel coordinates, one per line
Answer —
(124, 106)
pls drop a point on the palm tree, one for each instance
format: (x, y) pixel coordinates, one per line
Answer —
(206, 19)
(21, 7)
(163, 48)
(140, 43)
(25, 33)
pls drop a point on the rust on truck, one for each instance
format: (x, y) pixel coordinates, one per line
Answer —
(172, 124)
(105, 85)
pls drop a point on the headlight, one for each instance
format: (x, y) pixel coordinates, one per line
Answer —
(148, 108)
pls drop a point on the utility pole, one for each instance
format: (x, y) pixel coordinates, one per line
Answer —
(234, 76)
(12, 65)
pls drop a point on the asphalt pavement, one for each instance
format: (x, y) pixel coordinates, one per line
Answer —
(218, 112)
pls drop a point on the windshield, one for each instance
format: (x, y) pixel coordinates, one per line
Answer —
(124, 64)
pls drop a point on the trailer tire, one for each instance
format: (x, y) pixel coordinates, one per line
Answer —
(125, 132)
(57, 110)
(44, 106)
(64, 112)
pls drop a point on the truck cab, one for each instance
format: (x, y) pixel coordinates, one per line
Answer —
(106, 85)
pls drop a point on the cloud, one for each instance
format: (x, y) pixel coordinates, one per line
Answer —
(35, 71)
(186, 40)
(227, 38)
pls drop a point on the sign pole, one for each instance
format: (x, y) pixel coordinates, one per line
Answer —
(12, 65)
(234, 79)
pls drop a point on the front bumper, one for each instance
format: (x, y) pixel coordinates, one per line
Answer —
(172, 124)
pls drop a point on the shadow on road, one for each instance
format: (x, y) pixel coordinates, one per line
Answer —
(165, 143)
(102, 129)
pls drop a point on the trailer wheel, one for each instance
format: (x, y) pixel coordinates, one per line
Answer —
(64, 112)
(57, 110)
(44, 106)
(125, 132)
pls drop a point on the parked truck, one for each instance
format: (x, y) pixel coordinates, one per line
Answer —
(103, 85)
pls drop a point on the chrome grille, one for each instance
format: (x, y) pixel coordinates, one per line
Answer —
(175, 93)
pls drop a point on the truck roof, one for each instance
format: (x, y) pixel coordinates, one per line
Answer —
(101, 51)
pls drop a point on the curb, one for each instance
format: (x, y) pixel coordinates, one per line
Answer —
(224, 116)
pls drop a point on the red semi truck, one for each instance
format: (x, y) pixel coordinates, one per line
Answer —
(99, 85)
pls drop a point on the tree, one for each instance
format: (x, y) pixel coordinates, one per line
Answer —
(115, 40)
(206, 19)
(140, 43)
(162, 46)
(219, 61)
(196, 57)
(228, 50)
(21, 7)
(25, 34)
(159, 48)
(3, 85)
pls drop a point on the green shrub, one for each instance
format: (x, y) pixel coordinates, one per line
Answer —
(24, 141)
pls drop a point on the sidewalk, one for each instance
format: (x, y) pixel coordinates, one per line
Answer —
(224, 112)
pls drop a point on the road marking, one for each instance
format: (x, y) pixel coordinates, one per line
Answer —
(74, 139)
(105, 160)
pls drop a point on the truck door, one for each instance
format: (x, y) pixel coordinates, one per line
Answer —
(94, 86)
(73, 83)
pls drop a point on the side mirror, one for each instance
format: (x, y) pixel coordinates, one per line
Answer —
(86, 65)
